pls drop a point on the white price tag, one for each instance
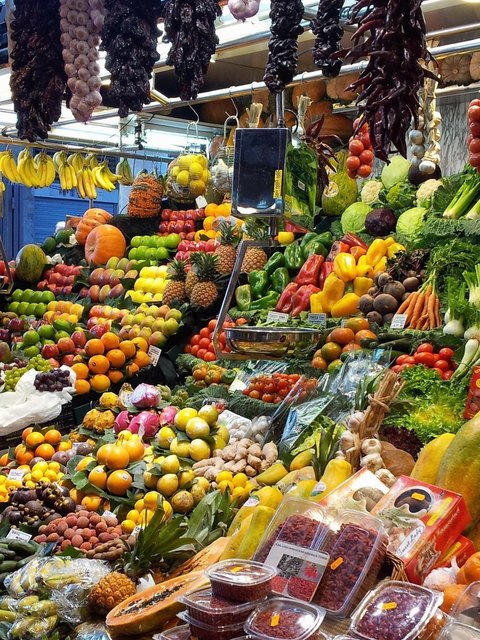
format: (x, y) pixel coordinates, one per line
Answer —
(154, 353)
(251, 502)
(276, 316)
(15, 534)
(136, 531)
(318, 488)
(399, 321)
(317, 318)
(16, 474)
(201, 202)
(108, 514)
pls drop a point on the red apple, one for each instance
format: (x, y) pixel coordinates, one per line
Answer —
(104, 292)
(50, 351)
(189, 226)
(83, 293)
(55, 363)
(65, 345)
(79, 338)
(163, 227)
(42, 285)
(68, 360)
(67, 290)
(94, 293)
(98, 330)
(95, 275)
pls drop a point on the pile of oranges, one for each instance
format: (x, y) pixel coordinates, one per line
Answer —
(214, 213)
(36, 444)
(108, 360)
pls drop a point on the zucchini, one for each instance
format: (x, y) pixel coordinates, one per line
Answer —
(8, 554)
(22, 548)
(400, 344)
(8, 565)
(388, 337)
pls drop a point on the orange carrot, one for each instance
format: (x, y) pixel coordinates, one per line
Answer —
(412, 301)
(431, 311)
(418, 308)
(405, 304)
(438, 319)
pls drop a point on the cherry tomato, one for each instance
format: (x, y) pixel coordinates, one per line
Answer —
(474, 159)
(364, 170)
(446, 353)
(475, 129)
(365, 140)
(405, 359)
(446, 375)
(474, 146)
(353, 162)
(443, 365)
(474, 113)
(425, 347)
(356, 147)
(366, 157)
(351, 174)
(470, 138)
(398, 368)
(254, 394)
(425, 358)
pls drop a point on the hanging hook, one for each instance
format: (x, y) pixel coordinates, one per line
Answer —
(233, 102)
(195, 112)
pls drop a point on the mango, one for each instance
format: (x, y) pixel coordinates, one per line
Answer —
(236, 539)
(428, 462)
(302, 459)
(273, 474)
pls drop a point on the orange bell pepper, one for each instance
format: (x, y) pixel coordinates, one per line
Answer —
(357, 252)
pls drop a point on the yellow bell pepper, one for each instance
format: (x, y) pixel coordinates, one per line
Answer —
(316, 302)
(345, 266)
(347, 306)
(389, 241)
(394, 248)
(363, 268)
(376, 251)
(333, 291)
(380, 266)
(361, 286)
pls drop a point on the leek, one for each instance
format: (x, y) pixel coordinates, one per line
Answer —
(464, 197)
(473, 282)
(470, 358)
(456, 306)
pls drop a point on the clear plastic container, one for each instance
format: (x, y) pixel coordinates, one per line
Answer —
(285, 618)
(395, 611)
(203, 605)
(457, 631)
(467, 607)
(204, 631)
(354, 564)
(181, 632)
(241, 580)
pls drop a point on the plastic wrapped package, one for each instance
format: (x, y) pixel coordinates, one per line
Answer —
(92, 631)
(204, 606)
(457, 631)
(285, 618)
(238, 426)
(241, 580)
(467, 607)
(204, 631)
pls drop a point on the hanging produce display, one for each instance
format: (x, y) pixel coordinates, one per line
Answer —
(328, 35)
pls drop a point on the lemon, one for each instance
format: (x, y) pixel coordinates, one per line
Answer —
(198, 493)
(240, 480)
(133, 515)
(199, 450)
(139, 505)
(219, 443)
(197, 428)
(181, 449)
(224, 485)
(202, 160)
(128, 526)
(285, 237)
(167, 509)
(196, 171)
(184, 161)
(146, 516)
(37, 475)
(223, 433)
(202, 482)
(185, 479)
(183, 179)
(171, 464)
(183, 416)
(209, 413)
(41, 466)
(151, 499)
(168, 484)
(174, 171)
(197, 187)
(206, 176)
(224, 476)
(182, 502)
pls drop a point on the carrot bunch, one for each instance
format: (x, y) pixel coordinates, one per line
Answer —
(422, 308)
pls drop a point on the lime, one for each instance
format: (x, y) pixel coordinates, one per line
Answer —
(49, 245)
(17, 295)
(40, 309)
(30, 337)
(133, 254)
(46, 331)
(63, 236)
(183, 416)
(47, 296)
(161, 253)
(172, 240)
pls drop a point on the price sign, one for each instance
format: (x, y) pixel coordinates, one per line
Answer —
(16, 534)
(154, 353)
(317, 318)
(16, 474)
(399, 321)
(201, 202)
(136, 531)
(319, 488)
(108, 514)
(276, 316)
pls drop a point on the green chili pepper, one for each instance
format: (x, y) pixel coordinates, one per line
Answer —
(314, 246)
(279, 279)
(307, 237)
(326, 239)
(267, 302)
(258, 281)
(243, 297)
(275, 261)
(293, 257)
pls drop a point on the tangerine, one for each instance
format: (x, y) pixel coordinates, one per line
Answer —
(110, 340)
(471, 568)
(65, 445)
(91, 503)
(26, 431)
(223, 210)
(4, 460)
(94, 347)
(117, 457)
(100, 382)
(142, 359)
(132, 369)
(23, 456)
(341, 336)
(34, 439)
(53, 437)
(208, 223)
(103, 451)
(119, 482)
(117, 358)
(84, 462)
(115, 376)
(128, 348)
(140, 343)
(81, 370)
(99, 364)
(134, 448)
(45, 451)
(98, 477)
(211, 209)
(82, 386)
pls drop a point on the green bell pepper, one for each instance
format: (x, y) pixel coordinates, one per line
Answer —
(315, 246)
(275, 261)
(307, 237)
(326, 239)
(279, 279)
(258, 281)
(293, 257)
(243, 297)
(267, 302)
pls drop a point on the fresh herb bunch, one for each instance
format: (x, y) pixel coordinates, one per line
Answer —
(452, 258)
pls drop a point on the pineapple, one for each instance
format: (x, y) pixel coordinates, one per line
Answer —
(110, 591)
(175, 288)
(255, 257)
(192, 278)
(205, 292)
(227, 251)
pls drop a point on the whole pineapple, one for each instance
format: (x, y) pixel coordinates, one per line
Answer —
(113, 589)
(255, 257)
(205, 292)
(175, 288)
(192, 278)
(227, 250)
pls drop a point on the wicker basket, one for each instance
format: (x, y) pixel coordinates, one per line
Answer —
(65, 423)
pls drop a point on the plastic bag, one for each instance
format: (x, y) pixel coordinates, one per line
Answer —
(237, 426)
(92, 631)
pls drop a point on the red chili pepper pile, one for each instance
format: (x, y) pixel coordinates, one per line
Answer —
(328, 34)
(276, 387)
(286, 17)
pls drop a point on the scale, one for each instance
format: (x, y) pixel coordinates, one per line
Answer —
(258, 190)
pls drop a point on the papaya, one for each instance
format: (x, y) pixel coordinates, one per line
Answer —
(428, 462)
(336, 472)
(266, 496)
(204, 558)
(272, 475)
(236, 539)
(29, 263)
(459, 469)
(303, 489)
(294, 477)
(152, 608)
(260, 519)
(301, 460)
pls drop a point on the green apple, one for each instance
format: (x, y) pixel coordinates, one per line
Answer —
(30, 337)
(174, 313)
(161, 253)
(27, 295)
(47, 296)
(22, 308)
(31, 309)
(40, 309)
(13, 307)
(17, 295)
(46, 331)
(136, 241)
(31, 352)
(170, 327)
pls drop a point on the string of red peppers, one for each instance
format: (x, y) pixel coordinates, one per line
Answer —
(286, 17)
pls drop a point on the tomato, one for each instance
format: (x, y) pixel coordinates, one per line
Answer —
(398, 368)
(356, 147)
(364, 170)
(188, 349)
(474, 146)
(474, 159)
(425, 347)
(366, 157)
(270, 387)
(404, 359)
(475, 103)
(201, 353)
(446, 353)
(212, 324)
(267, 397)
(195, 340)
(436, 357)
(475, 129)
(474, 113)
(446, 375)
(470, 138)
(351, 174)
(210, 356)
(195, 349)
(204, 342)
(443, 365)
(365, 139)
(353, 162)
(424, 358)
(283, 393)
(254, 394)
(204, 333)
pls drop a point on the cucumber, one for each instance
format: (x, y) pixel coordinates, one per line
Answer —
(21, 563)
(401, 344)
(8, 565)
(368, 343)
(388, 337)
(8, 554)
(23, 548)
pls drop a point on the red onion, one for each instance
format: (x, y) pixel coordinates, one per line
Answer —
(145, 396)
(243, 9)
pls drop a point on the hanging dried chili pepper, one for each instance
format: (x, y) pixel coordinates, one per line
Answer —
(286, 17)
(328, 35)
(325, 154)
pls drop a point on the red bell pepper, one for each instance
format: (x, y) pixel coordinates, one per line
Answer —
(354, 241)
(326, 270)
(310, 271)
(337, 247)
(285, 302)
(294, 227)
(301, 299)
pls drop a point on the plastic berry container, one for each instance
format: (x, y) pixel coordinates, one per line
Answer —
(241, 580)
(467, 606)
(204, 631)
(395, 611)
(458, 631)
(355, 561)
(285, 618)
(181, 632)
(203, 605)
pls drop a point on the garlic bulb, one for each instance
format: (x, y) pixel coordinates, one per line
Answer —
(243, 9)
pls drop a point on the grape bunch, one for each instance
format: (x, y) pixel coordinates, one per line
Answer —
(13, 375)
(55, 380)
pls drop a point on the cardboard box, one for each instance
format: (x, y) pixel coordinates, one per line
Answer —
(460, 550)
(422, 522)
(361, 492)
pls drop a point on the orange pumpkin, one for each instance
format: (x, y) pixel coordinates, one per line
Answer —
(98, 214)
(83, 229)
(146, 195)
(104, 242)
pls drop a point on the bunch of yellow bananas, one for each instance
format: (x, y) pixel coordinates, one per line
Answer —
(8, 166)
(68, 177)
(86, 184)
(124, 173)
(28, 170)
(104, 178)
(45, 169)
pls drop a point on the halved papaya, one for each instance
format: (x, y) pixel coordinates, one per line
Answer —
(203, 559)
(151, 609)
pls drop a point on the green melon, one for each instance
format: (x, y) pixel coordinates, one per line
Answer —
(29, 263)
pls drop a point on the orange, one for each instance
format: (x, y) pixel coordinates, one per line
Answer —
(128, 348)
(115, 376)
(223, 210)
(341, 336)
(45, 451)
(22, 456)
(450, 596)
(357, 324)
(98, 477)
(103, 451)
(210, 234)
(211, 209)
(140, 343)
(471, 568)
(461, 579)
(26, 431)
(82, 386)
(319, 363)
(91, 503)
(119, 482)
(117, 457)
(331, 351)
(53, 437)
(34, 439)
(208, 223)
(65, 445)
(81, 370)
(94, 347)
(84, 462)
(110, 341)
(134, 448)
(364, 334)
(100, 383)
(117, 358)
(99, 364)
(76, 495)
(132, 369)
(142, 359)
(4, 460)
